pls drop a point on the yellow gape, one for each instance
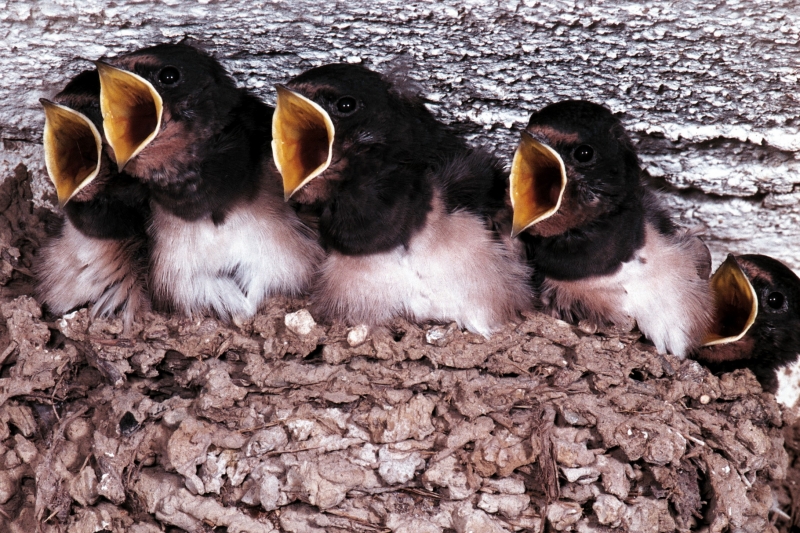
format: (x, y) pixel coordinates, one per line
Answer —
(72, 148)
(735, 304)
(302, 140)
(537, 183)
(132, 110)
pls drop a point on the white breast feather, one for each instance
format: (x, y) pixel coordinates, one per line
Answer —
(453, 270)
(659, 288)
(259, 250)
(75, 270)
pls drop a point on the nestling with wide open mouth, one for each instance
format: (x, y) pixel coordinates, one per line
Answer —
(405, 206)
(603, 248)
(756, 323)
(98, 256)
(223, 240)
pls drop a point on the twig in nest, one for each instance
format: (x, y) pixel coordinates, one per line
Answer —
(421, 492)
(522, 370)
(39, 398)
(543, 474)
(286, 450)
(259, 428)
(778, 511)
(8, 351)
(24, 270)
(693, 439)
(364, 523)
(53, 395)
(51, 515)
(127, 343)
(635, 411)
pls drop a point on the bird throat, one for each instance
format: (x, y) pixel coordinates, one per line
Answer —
(596, 247)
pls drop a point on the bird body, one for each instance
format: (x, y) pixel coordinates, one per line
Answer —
(657, 287)
(453, 269)
(603, 248)
(75, 269)
(98, 256)
(222, 238)
(229, 268)
(405, 207)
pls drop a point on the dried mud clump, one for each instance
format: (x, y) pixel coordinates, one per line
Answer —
(283, 424)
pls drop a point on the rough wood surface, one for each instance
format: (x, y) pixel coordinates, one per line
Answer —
(708, 88)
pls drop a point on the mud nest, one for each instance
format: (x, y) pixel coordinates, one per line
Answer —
(282, 424)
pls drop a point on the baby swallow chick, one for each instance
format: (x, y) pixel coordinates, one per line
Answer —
(223, 239)
(603, 248)
(405, 206)
(98, 256)
(756, 323)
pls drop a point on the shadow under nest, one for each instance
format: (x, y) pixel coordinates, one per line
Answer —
(282, 424)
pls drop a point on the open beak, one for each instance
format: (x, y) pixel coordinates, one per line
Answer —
(132, 110)
(302, 140)
(72, 148)
(735, 304)
(537, 183)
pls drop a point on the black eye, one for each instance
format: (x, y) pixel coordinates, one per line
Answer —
(346, 105)
(169, 76)
(775, 300)
(583, 153)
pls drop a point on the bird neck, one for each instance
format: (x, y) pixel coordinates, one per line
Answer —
(744, 353)
(227, 168)
(767, 347)
(119, 210)
(375, 210)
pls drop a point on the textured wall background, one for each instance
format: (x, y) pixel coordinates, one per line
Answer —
(709, 89)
